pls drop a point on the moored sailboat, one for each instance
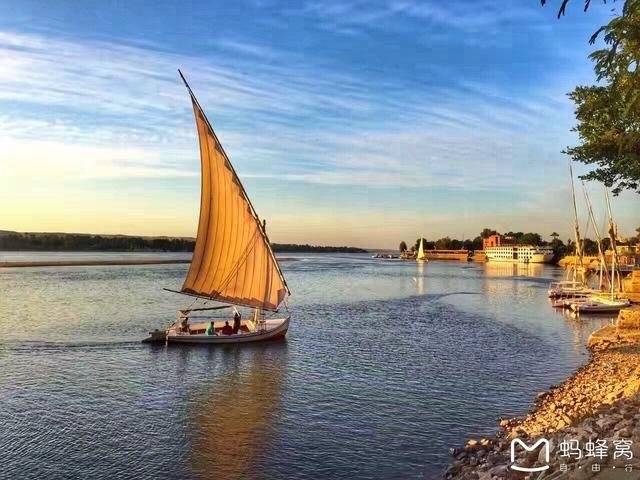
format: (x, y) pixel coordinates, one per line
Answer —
(600, 303)
(232, 262)
(576, 285)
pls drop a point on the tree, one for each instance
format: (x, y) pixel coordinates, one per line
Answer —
(589, 247)
(554, 236)
(487, 232)
(563, 5)
(608, 114)
(529, 239)
(443, 243)
(403, 246)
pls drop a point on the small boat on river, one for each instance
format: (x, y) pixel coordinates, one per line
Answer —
(600, 305)
(232, 262)
(569, 288)
(422, 256)
(610, 303)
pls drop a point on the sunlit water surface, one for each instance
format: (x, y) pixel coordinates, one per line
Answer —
(386, 365)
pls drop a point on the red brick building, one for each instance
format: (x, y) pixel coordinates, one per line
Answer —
(497, 241)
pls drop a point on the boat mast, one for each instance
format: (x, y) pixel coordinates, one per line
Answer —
(576, 229)
(614, 252)
(601, 256)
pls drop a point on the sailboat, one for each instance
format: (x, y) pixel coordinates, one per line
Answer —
(232, 262)
(577, 286)
(422, 256)
(602, 304)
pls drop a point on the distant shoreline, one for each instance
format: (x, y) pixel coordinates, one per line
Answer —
(92, 263)
(77, 242)
(88, 263)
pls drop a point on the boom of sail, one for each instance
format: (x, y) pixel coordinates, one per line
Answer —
(232, 261)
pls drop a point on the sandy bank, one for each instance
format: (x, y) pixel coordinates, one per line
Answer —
(600, 401)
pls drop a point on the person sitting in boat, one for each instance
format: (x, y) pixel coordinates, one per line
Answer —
(211, 330)
(227, 329)
(184, 325)
(236, 322)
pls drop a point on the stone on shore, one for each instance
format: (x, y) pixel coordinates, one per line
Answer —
(600, 401)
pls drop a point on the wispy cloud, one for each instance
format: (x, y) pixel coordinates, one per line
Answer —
(356, 16)
(287, 115)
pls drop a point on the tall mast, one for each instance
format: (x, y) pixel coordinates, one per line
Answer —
(614, 251)
(601, 256)
(576, 229)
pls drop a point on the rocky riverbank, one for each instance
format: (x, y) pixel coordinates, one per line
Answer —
(599, 403)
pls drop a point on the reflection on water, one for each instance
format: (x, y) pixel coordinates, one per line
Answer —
(230, 418)
(507, 269)
(419, 278)
(386, 365)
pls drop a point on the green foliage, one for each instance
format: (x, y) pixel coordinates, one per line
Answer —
(403, 246)
(487, 232)
(80, 242)
(563, 5)
(589, 247)
(292, 247)
(608, 114)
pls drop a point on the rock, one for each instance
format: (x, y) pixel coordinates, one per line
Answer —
(499, 470)
(605, 424)
(625, 432)
(493, 458)
(541, 454)
(454, 468)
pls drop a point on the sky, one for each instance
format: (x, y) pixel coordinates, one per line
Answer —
(349, 122)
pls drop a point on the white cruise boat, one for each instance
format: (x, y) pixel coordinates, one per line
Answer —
(519, 254)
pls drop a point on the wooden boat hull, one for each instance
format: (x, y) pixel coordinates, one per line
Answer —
(597, 307)
(275, 329)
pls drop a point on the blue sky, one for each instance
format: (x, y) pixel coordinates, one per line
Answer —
(349, 122)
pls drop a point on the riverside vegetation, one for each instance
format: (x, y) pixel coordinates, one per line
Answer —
(79, 242)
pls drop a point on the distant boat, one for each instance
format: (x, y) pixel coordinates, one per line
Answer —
(519, 254)
(232, 262)
(422, 256)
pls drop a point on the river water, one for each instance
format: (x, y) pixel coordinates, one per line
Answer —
(387, 364)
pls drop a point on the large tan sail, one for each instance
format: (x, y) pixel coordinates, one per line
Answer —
(232, 260)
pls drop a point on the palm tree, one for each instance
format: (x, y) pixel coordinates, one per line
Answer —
(554, 235)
